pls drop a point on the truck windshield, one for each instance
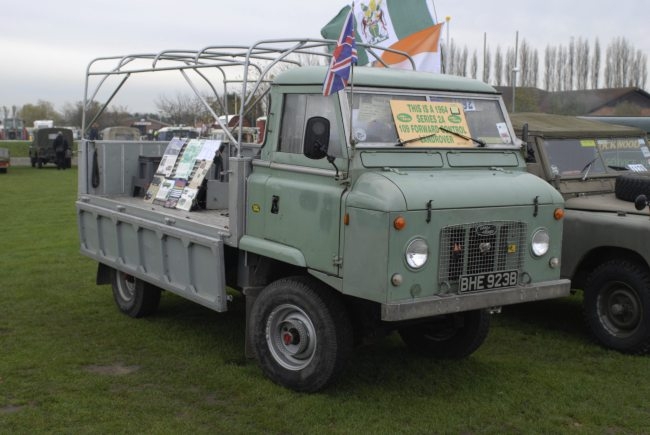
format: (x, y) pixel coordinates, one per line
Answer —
(572, 157)
(374, 118)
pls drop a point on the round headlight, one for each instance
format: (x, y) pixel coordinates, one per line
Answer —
(540, 242)
(417, 253)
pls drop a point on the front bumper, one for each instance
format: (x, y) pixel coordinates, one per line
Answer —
(437, 305)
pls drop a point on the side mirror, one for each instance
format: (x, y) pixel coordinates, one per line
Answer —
(317, 138)
(640, 202)
(530, 151)
(524, 133)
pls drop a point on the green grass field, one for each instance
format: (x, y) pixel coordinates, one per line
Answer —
(71, 363)
(20, 148)
(17, 148)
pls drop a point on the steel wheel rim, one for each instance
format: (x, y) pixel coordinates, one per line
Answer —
(291, 337)
(126, 286)
(619, 309)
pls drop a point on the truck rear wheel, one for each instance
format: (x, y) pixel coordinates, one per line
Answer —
(134, 297)
(301, 333)
(617, 306)
(455, 335)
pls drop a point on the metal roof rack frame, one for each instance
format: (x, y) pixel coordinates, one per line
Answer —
(255, 63)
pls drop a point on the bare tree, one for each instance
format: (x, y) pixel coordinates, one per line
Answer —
(524, 66)
(510, 66)
(639, 70)
(534, 68)
(462, 63)
(183, 109)
(529, 65)
(582, 64)
(486, 65)
(595, 65)
(569, 72)
(473, 69)
(550, 54)
(619, 61)
(560, 70)
(498, 67)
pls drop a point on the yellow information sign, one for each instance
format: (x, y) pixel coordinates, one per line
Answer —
(431, 124)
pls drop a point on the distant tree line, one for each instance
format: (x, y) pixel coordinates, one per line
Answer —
(579, 65)
(576, 66)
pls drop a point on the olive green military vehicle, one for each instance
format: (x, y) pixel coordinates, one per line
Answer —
(600, 169)
(402, 203)
(41, 150)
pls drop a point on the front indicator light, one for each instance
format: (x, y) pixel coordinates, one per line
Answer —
(558, 214)
(417, 253)
(399, 223)
(554, 263)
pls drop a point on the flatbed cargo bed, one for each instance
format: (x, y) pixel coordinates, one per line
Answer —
(179, 251)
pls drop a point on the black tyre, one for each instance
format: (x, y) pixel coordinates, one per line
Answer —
(301, 333)
(134, 297)
(629, 186)
(455, 335)
(617, 306)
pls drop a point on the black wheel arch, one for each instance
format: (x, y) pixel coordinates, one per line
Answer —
(600, 255)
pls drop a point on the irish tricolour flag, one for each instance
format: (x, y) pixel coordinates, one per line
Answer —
(404, 25)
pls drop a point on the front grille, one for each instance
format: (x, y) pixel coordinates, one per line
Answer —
(481, 247)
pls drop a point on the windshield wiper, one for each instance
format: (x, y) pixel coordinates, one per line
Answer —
(618, 168)
(414, 139)
(478, 141)
(587, 168)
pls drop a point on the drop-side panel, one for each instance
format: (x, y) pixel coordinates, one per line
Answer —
(183, 262)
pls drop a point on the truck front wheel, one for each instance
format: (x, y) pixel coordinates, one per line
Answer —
(301, 333)
(134, 297)
(450, 336)
(617, 306)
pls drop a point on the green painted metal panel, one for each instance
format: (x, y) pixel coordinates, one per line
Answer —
(388, 78)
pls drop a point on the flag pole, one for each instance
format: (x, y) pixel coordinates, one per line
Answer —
(352, 82)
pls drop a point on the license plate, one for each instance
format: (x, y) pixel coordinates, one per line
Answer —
(488, 281)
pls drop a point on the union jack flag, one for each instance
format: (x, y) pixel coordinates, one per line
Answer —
(345, 54)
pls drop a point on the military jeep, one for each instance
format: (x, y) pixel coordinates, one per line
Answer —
(600, 169)
(41, 150)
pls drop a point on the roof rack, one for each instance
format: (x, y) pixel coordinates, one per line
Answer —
(250, 66)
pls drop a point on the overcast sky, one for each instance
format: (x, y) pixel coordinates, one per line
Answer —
(44, 50)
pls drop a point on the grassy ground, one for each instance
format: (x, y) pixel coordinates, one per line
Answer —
(20, 148)
(17, 148)
(71, 363)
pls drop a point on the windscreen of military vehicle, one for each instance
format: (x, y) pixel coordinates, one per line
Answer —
(577, 157)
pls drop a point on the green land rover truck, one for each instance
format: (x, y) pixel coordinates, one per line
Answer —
(399, 204)
(600, 169)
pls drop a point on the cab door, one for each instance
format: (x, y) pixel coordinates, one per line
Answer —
(302, 195)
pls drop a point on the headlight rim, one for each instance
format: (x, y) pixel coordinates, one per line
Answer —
(408, 259)
(533, 243)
